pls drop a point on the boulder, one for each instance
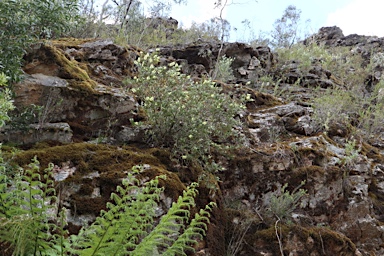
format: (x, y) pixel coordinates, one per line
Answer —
(73, 82)
(328, 35)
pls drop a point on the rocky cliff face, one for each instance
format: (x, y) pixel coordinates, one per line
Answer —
(79, 84)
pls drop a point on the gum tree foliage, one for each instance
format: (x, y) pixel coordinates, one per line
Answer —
(127, 21)
(286, 29)
(23, 21)
(119, 16)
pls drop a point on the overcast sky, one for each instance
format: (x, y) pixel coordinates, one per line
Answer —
(364, 17)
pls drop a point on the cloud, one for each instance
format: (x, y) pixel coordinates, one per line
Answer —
(364, 17)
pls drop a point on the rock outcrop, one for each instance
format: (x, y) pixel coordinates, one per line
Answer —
(80, 85)
(249, 62)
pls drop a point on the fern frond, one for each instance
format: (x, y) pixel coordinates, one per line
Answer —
(196, 230)
(61, 245)
(28, 219)
(26, 216)
(128, 219)
(168, 229)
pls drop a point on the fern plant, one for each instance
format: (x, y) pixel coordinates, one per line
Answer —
(167, 234)
(283, 203)
(30, 223)
(27, 208)
(127, 228)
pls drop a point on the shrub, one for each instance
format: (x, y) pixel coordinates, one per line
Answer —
(283, 203)
(223, 70)
(6, 103)
(352, 153)
(371, 114)
(347, 67)
(347, 107)
(350, 103)
(304, 55)
(377, 59)
(334, 106)
(192, 118)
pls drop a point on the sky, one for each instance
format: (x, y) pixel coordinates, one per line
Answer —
(363, 17)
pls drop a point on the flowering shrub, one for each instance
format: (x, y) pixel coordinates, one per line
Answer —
(223, 69)
(191, 118)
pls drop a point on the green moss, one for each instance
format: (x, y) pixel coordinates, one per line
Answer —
(325, 240)
(163, 155)
(305, 173)
(331, 238)
(172, 184)
(110, 161)
(377, 197)
(58, 154)
(309, 170)
(86, 205)
(333, 173)
(70, 69)
(87, 187)
(268, 237)
(372, 152)
(110, 164)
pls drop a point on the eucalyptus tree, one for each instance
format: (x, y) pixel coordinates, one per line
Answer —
(22, 22)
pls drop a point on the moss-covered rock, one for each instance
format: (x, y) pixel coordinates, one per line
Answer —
(299, 240)
(96, 171)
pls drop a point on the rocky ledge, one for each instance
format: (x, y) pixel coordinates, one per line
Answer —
(85, 131)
